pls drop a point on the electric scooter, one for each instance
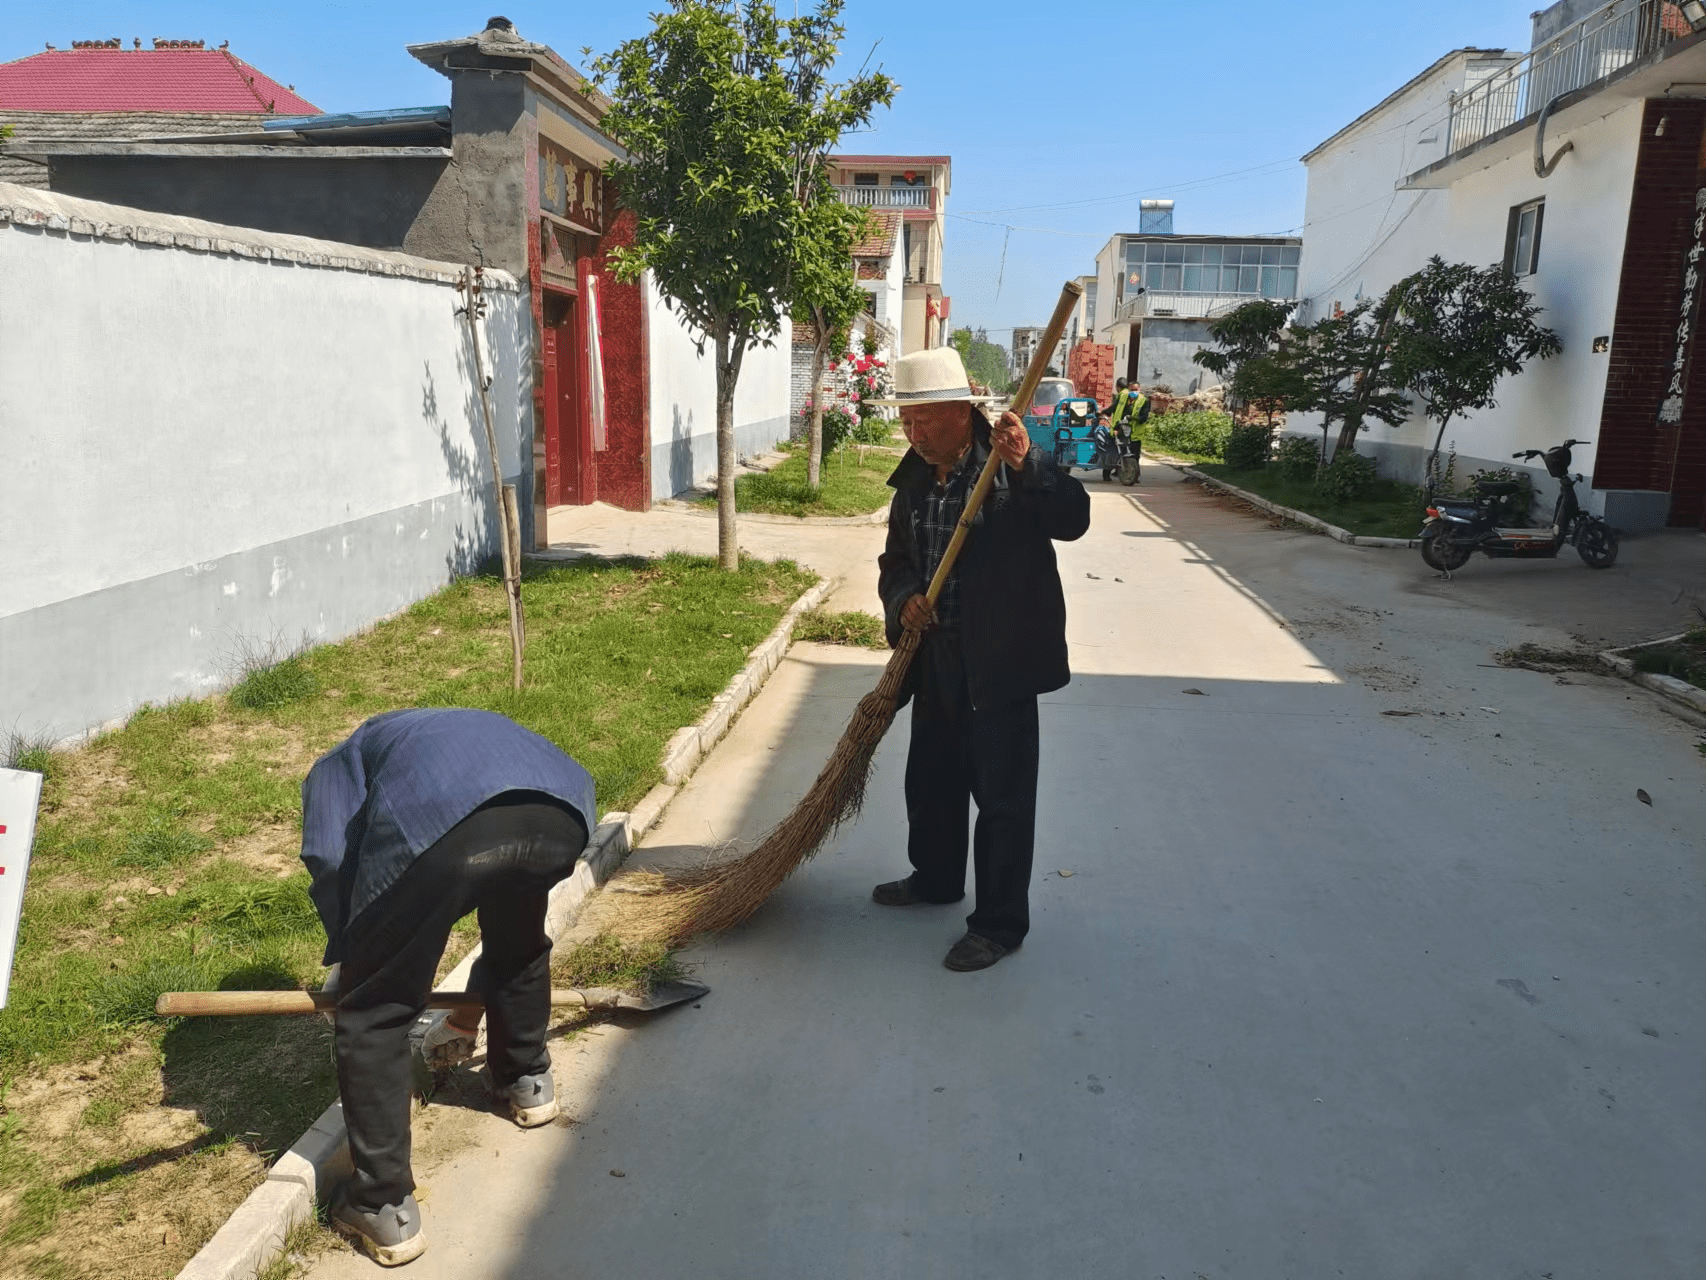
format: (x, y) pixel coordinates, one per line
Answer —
(1456, 527)
(1118, 455)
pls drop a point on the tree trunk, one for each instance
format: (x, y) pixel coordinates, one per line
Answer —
(814, 437)
(1433, 458)
(728, 371)
(1347, 441)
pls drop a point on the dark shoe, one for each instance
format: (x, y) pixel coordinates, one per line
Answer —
(531, 1101)
(972, 952)
(899, 893)
(390, 1236)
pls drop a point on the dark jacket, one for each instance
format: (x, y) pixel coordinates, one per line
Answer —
(379, 799)
(1012, 608)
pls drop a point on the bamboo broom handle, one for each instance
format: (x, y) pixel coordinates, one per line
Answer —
(191, 1004)
(1070, 292)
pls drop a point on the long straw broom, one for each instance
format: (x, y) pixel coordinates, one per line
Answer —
(675, 905)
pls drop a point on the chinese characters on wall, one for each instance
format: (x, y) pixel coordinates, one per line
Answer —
(1670, 409)
(570, 188)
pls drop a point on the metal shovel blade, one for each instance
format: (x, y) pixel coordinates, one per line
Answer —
(662, 996)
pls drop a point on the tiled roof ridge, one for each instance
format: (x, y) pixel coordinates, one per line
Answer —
(72, 216)
(240, 67)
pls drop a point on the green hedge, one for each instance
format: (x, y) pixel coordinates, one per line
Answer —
(1200, 432)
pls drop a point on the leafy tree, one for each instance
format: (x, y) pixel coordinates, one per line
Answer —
(727, 114)
(1462, 328)
(985, 362)
(1343, 366)
(1251, 357)
(827, 295)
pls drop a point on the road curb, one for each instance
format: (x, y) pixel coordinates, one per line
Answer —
(684, 751)
(317, 1161)
(1298, 517)
(1667, 687)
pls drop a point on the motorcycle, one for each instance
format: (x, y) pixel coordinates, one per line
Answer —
(1119, 456)
(1457, 527)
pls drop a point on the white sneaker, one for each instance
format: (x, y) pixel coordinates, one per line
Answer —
(531, 1101)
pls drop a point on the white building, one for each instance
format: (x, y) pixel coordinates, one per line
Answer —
(915, 190)
(1156, 293)
(1578, 165)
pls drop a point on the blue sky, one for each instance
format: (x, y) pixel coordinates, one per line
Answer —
(1058, 118)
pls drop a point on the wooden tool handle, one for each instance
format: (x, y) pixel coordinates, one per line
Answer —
(194, 1004)
(1070, 292)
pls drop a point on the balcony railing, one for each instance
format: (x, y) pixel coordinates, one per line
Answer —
(1585, 52)
(889, 197)
(1181, 306)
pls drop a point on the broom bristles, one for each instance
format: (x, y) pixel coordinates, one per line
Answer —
(675, 905)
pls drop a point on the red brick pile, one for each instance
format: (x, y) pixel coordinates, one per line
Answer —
(1090, 365)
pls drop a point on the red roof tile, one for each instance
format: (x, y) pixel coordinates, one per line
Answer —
(144, 80)
(878, 242)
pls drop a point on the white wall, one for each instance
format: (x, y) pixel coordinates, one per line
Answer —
(684, 399)
(1108, 268)
(1581, 261)
(205, 447)
(1361, 234)
(1581, 257)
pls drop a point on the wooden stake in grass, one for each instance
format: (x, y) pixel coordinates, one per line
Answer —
(473, 310)
(674, 906)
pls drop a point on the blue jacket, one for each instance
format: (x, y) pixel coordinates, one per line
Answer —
(388, 792)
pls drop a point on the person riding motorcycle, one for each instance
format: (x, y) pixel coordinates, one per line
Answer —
(1129, 410)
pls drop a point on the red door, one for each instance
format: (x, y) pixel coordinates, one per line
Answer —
(564, 422)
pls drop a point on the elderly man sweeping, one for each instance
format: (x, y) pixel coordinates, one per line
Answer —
(415, 820)
(995, 641)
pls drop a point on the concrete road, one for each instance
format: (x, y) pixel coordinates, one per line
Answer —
(1327, 992)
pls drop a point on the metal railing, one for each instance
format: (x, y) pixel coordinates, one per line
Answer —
(1181, 306)
(889, 197)
(1587, 51)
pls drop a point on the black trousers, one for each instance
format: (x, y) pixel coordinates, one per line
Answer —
(960, 754)
(501, 862)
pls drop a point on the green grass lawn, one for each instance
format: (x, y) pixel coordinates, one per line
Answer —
(854, 483)
(166, 859)
(1389, 511)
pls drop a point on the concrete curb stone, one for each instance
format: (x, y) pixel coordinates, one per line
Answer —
(317, 1161)
(690, 743)
(1299, 517)
(1668, 687)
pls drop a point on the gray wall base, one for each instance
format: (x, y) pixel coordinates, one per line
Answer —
(92, 660)
(689, 460)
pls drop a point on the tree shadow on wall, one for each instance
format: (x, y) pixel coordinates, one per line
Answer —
(681, 452)
(471, 549)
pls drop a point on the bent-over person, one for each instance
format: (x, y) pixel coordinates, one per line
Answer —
(416, 819)
(995, 641)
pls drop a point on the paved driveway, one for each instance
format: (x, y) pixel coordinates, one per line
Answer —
(1328, 991)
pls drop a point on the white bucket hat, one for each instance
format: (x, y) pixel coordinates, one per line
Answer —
(931, 377)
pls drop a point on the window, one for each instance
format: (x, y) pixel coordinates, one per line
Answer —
(1522, 238)
(864, 179)
(1254, 270)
